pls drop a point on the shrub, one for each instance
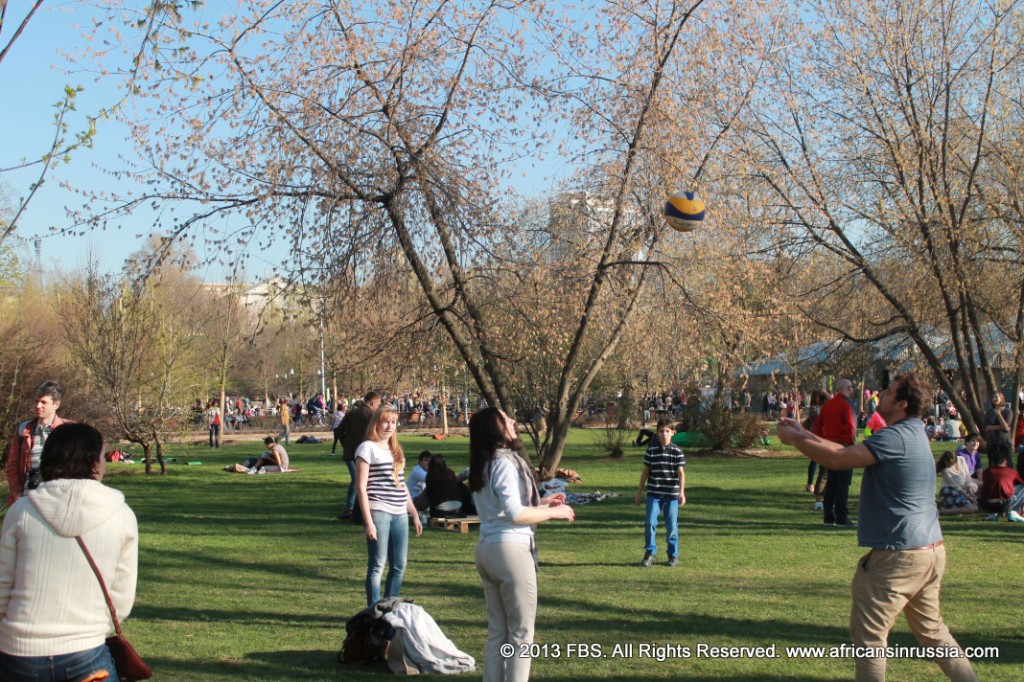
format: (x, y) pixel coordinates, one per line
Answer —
(612, 440)
(727, 429)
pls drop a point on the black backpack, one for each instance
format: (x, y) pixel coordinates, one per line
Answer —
(368, 634)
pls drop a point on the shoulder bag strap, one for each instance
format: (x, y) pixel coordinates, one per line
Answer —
(103, 585)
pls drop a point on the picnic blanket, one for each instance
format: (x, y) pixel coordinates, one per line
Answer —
(587, 498)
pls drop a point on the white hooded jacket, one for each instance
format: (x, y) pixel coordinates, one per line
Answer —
(50, 600)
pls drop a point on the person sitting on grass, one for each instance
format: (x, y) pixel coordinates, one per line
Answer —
(958, 490)
(969, 452)
(644, 438)
(443, 486)
(1002, 488)
(417, 480)
(274, 458)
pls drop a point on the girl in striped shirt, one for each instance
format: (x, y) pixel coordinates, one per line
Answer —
(386, 504)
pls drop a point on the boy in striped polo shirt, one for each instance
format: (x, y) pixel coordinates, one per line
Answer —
(664, 479)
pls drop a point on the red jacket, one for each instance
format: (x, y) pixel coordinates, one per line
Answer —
(19, 456)
(836, 422)
(998, 483)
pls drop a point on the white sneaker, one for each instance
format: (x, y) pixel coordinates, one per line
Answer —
(819, 506)
(1015, 517)
(251, 471)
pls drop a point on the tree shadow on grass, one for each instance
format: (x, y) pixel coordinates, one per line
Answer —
(269, 665)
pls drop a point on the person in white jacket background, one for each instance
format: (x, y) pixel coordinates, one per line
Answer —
(53, 617)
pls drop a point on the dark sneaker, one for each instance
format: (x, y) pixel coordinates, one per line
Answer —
(846, 524)
(648, 560)
(672, 561)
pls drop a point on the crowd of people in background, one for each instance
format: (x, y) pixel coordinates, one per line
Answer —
(316, 411)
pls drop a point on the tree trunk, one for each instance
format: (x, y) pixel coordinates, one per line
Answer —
(160, 456)
(559, 424)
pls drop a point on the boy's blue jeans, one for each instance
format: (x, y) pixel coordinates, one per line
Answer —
(670, 506)
(391, 546)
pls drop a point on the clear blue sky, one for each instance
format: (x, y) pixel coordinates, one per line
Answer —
(34, 75)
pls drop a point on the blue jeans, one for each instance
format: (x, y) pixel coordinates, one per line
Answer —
(350, 503)
(391, 545)
(670, 506)
(61, 668)
(1012, 504)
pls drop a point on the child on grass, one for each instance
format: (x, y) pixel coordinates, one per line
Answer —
(664, 479)
(969, 451)
(1002, 489)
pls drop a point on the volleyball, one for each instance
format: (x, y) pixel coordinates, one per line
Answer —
(684, 212)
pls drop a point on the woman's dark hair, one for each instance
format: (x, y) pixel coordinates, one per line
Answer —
(486, 435)
(819, 397)
(947, 460)
(438, 473)
(71, 451)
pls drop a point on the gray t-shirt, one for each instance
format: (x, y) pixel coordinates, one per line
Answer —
(897, 495)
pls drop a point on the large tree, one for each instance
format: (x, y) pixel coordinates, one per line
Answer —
(882, 136)
(393, 128)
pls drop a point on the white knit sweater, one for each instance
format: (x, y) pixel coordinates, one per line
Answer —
(50, 600)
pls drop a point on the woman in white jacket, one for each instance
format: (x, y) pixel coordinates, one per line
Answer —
(509, 506)
(53, 618)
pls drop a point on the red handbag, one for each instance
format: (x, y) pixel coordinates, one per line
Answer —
(130, 666)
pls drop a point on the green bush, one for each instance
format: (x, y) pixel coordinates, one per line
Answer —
(728, 429)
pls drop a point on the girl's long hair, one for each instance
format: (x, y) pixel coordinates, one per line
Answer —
(947, 460)
(397, 454)
(486, 436)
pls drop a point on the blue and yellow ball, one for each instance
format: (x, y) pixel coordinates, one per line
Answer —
(684, 212)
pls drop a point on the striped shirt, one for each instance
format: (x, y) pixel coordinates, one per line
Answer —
(381, 490)
(664, 462)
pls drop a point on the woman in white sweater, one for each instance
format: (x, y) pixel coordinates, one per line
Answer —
(53, 616)
(509, 506)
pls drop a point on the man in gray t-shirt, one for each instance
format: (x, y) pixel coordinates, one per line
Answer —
(898, 521)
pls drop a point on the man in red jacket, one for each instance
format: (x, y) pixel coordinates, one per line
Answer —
(836, 422)
(27, 441)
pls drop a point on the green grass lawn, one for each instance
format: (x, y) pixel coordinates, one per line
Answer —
(252, 577)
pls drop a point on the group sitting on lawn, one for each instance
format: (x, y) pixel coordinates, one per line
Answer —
(444, 495)
(272, 460)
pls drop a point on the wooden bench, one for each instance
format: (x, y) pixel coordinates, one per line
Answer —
(460, 524)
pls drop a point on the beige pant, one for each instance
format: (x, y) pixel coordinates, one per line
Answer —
(888, 582)
(509, 578)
